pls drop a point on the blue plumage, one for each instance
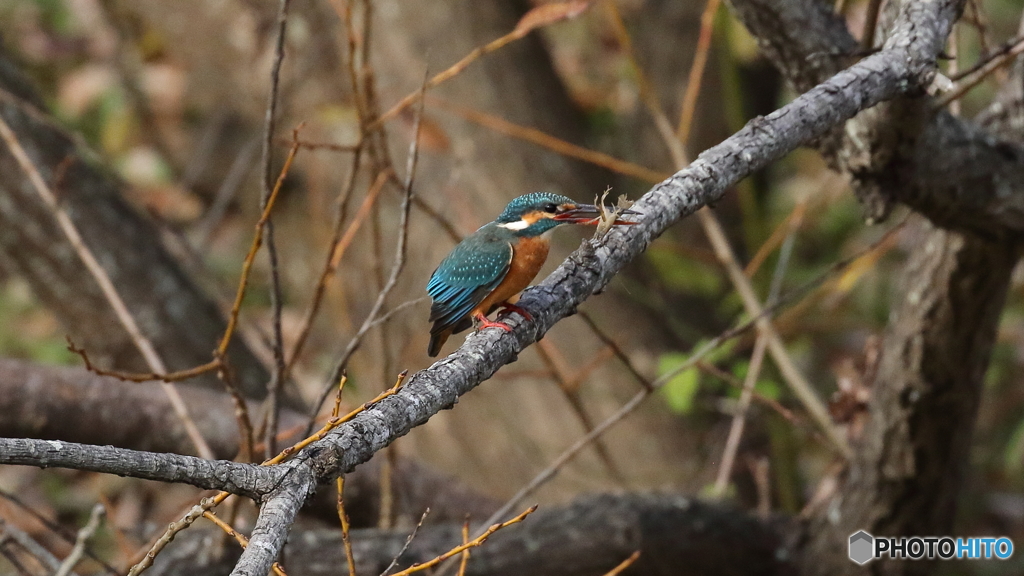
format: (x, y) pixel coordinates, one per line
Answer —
(469, 281)
(528, 202)
(465, 277)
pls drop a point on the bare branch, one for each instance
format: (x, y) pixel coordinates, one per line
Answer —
(244, 479)
(84, 534)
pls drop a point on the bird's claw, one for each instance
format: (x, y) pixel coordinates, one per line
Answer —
(485, 323)
(506, 308)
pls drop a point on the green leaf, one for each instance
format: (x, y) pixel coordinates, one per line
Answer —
(683, 274)
(1013, 455)
(769, 389)
(680, 391)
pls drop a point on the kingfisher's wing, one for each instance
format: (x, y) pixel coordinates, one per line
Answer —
(473, 269)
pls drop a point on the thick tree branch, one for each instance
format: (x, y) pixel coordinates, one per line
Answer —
(244, 479)
(805, 39)
(676, 535)
(73, 405)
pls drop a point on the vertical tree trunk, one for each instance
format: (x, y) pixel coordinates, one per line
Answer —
(915, 450)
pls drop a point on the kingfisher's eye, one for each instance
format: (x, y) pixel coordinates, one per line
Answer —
(551, 208)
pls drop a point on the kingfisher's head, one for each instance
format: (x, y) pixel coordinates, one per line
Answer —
(536, 213)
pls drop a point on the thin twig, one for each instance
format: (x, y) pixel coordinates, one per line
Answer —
(240, 538)
(340, 482)
(330, 146)
(337, 249)
(867, 42)
(731, 380)
(221, 352)
(465, 553)
(571, 452)
(545, 140)
(84, 534)
(977, 73)
(800, 386)
(976, 17)
(144, 345)
(254, 247)
(408, 541)
(739, 419)
(346, 539)
(365, 209)
(193, 514)
(332, 424)
(570, 389)
(140, 376)
(35, 549)
(9, 555)
(57, 529)
(693, 82)
(954, 63)
(648, 94)
(1004, 49)
(396, 269)
(523, 28)
(245, 430)
(623, 565)
(441, 220)
(791, 222)
(225, 194)
(277, 378)
(472, 543)
(619, 353)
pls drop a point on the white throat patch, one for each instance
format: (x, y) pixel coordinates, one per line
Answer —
(517, 225)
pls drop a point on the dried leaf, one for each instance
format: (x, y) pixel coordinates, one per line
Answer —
(549, 14)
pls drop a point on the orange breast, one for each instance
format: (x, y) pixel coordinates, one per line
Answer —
(528, 256)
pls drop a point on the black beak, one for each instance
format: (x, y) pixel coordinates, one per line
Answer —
(588, 214)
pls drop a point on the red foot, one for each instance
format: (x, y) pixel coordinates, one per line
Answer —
(506, 308)
(485, 323)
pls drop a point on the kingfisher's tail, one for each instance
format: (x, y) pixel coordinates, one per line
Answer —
(439, 334)
(437, 339)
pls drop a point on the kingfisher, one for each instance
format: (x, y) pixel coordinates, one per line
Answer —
(493, 265)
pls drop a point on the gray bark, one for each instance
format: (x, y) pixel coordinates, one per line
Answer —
(73, 405)
(244, 479)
